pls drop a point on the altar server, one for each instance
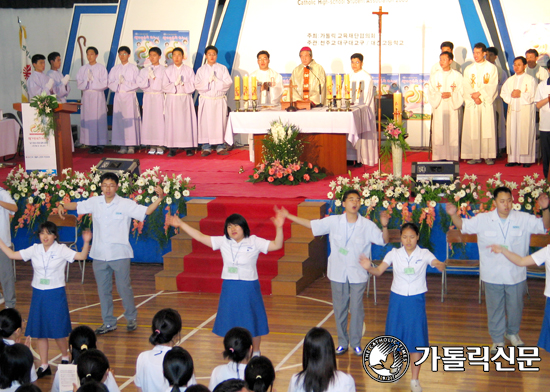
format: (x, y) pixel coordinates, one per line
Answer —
(500, 125)
(534, 69)
(150, 80)
(126, 116)
(519, 93)
(480, 91)
(180, 120)
(446, 46)
(365, 152)
(269, 81)
(543, 104)
(92, 80)
(445, 97)
(309, 78)
(61, 86)
(39, 82)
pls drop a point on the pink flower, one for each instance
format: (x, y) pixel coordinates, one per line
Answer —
(316, 170)
(271, 171)
(306, 177)
(262, 166)
(256, 176)
(279, 175)
(288, 170)
(270, 179)
(291, 178)
(309, 165)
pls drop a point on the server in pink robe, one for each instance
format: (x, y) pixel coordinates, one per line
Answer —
(212, 82)
(92, 80)
(150, 80)
(39, 82)
(126, 117)
(180, 121)
(61, 86)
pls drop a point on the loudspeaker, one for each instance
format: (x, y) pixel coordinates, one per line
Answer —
(437, 172)
(114, 165)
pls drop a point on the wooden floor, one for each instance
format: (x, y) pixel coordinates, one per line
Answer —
(459, 321)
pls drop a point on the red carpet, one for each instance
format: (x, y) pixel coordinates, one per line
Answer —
(203, 267)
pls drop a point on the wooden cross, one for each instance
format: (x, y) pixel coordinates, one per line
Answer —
(379, 13)
(291, 86)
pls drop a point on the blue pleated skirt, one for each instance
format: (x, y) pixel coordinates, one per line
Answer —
(544, 338)
(49, 314)
(241, 305)
(407, 320)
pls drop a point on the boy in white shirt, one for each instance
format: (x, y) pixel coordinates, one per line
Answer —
(7, 279)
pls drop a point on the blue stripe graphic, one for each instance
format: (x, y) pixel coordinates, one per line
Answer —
(208, 18)
(503, 30)
(474, 29)
(228, 38)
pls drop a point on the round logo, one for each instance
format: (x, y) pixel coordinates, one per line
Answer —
(386, 359)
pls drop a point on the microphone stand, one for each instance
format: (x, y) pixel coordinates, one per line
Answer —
(320, 93)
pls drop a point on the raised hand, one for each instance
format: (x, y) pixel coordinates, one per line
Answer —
(282, 211)
(544, 201)
(173, 220)
(451, 209)
(279, 218)
(61, 211)
(87, 235)
(159, 192)
(384, 218)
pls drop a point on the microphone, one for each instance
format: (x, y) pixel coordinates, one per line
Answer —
(320, 94)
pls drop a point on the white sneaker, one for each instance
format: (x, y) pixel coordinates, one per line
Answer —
(160, 151)
(415, 386)
(514, 339)
(131, 150)
(495, 347)
(152, 151)
(123, 150)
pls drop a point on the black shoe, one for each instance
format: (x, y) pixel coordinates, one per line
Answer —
(190, 152)
(358, 164)
(511, 164)
(172, 152)
(350, 163)
(526, 165)
(64, 362)
(205, 153)
(92, 150)
(42, 373)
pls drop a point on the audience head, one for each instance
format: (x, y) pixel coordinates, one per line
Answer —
(91, 365)
(178, 367)
(10, 323)
(15, 365)
(231, 385)
(503, 201)
(231, 228)
(92, 386)
(410, 226)
(166, 325)
(491, 55)
(28, 388)
(318, 360)
(531, 56)
(82, 338)
(124, 49)
(447, 46)
(197, 388)
(238, 344)
(259, 374)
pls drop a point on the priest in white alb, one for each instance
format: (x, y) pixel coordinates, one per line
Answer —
(309, 79)
(534, 69)
(270, 82)
(492, 55)
(446, 98)
(480, 90)
(519, 93)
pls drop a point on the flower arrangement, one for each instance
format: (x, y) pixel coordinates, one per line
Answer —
(45, 105)
(396, 135)
(281, 152)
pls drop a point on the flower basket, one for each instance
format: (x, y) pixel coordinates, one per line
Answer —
(395, 146)
(45, 105)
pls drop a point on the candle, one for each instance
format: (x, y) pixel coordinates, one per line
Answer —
(347, 87)
(338, 86)
(329, 87)
(237, 88)
(397, 108)
(245, 88)
(253, 88)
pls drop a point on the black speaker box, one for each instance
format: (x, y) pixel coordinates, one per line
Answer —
(442, 172)
(114, 165)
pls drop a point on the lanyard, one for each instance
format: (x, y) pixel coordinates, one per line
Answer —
(45, 257)
(351, 234)
(507, 228)
(234, 256)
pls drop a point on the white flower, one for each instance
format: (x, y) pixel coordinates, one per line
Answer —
(367, 202)
(147, 200)
(140, 182)
(356, 179)
(71, 193)
(85, 194)
(332, 184)
(389, 193)
(464, 205)
(528, 207)
(330, 195)
(151, 189)
(399, 206)
(30, 200)
(406, 194)
(16, 196)
(139, 197)
(61, 193)
(42, 196)
(337, 203)
(517, 206)
(461, 193)
(357, 187)
(385, 204)
(521, 199)
(418, 199)
(177, 195)
(166, 189)
(338, 189)
(536, 193)
(188, 179)
(432, 203)
(185, 193)
(375, 199)
(93, 187)
(535, 175)
(95, 194)
(77, 195)
(366, 193)
(168, 200)
(452, 187)
(154, 198)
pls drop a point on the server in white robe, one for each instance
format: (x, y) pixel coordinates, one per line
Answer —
(519, 93)
(61, 86)
(126, 115)
(269, 82)
(365, 151)
(446, 46)
(478, 128)
(446, 98)
(92, 80)
(534, 69)
(39, 82)
(212, 82)
(492, 55)
(180, 120)
(309, 79)
(542, 99)
(150, 80)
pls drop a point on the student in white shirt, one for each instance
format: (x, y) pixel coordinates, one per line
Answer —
(15, 365)
(111, 251)
(7, 278)
(319, 372)
(350, 235)
(238, 348)
(241, 303)
(505, 283)
(11, 323)
(178, 369)
(259, 374)
(49, 260)
(406, 319)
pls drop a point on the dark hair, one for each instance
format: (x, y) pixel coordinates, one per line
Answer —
(357, 56)
(259, 374)
(501, 189)
(236, 219)
(349, 192)
(156, 50)
(481, 45)
(493, 50)
(177, 367)
(166, 324)
(448, 54)
(15, 365)
(124, 49)
(318, 360)
(37, 57)
(50, 227)
(532, 51)
(91, 385)
(447, 44)
(82, 338)
(211, 47)
(92, 48)
(10, 321)
(523, 59)
(91, 365)
(262, 52)
(231, 385)
(178, 50)
(410, 225)
(237, 343)
(52, 56)
(28, 388)
(108, 176)
(197, 388)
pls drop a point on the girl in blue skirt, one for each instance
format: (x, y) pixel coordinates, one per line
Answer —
(406, 319)
(49, 312)
(241, 303)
